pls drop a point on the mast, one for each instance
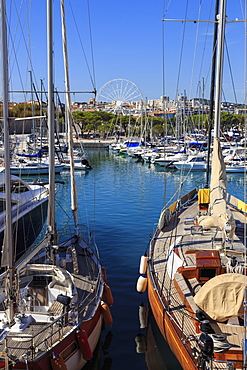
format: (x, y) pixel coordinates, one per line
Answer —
(8, 253)
(219, 67)
(74, 205)
(51, 206)
(33, 124)
(212, 91)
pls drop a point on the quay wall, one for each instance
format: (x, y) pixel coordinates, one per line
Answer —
(93, 144)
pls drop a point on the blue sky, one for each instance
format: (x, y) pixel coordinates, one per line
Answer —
(127, 43)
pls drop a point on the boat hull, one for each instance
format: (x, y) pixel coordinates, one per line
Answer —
(164, 322)
(190, 166)
(235, 169)
(36, 170)
(27, 227)
(171, 296)
(68, 347)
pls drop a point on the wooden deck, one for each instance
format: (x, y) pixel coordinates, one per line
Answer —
(182, 238)
(50, 325)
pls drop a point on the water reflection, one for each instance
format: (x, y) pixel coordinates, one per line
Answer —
(101, 359)
(150, 341)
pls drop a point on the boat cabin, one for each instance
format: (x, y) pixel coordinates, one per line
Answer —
(206, 265)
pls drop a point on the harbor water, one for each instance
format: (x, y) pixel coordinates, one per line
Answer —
(121, 199)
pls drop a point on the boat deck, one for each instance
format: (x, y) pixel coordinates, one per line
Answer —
(43, 337)
(50, 325)
(184, 237)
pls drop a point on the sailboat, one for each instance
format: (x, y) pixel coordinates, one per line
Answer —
(195, 270)
(53, 300)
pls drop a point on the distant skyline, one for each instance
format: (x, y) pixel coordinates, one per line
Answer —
(127, 38)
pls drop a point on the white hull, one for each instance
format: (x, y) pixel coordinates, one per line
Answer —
(34, 170)
(78, 167)
(190, 166)
(235, 169)
(76, 362)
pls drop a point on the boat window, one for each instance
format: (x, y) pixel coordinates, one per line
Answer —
(3, 205)
(69, 350)
(207, 273)
(18, 187)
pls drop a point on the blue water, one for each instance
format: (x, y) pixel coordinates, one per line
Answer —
(121, 199)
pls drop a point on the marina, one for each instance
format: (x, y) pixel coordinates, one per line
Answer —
(127, 192)
(123, 222)
(116, 195)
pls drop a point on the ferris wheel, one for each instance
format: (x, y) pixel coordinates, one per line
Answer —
(117, 93)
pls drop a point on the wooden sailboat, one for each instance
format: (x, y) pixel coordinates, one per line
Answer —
(196, 270)
(51, 301)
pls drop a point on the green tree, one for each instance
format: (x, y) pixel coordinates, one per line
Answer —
(89, 127)
(159, 130)
(24, 110)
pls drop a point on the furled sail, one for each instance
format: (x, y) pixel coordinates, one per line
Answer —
(38, 154)
(219, 215)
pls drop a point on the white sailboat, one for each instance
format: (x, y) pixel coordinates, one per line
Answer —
(33, 168)
(51, 302)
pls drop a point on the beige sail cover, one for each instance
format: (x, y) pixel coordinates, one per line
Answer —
(220, 215)
(222, 296)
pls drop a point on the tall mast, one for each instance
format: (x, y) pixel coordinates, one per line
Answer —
(212, 88)
(219, 67)
(51, 205)
(8, 253)
(74, 205)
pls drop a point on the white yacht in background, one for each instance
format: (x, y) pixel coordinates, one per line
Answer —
(29, 202)
(195, 162)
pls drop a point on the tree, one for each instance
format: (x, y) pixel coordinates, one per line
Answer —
(24, 110)
(159, 129)
(89, 127)
(107, 129)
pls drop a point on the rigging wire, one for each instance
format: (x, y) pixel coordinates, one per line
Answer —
(230, 70)
(92, 77)
(181, 50)
(166, 10)
(12, 37)
(204, 46)
(91, 43)
(195, 48)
